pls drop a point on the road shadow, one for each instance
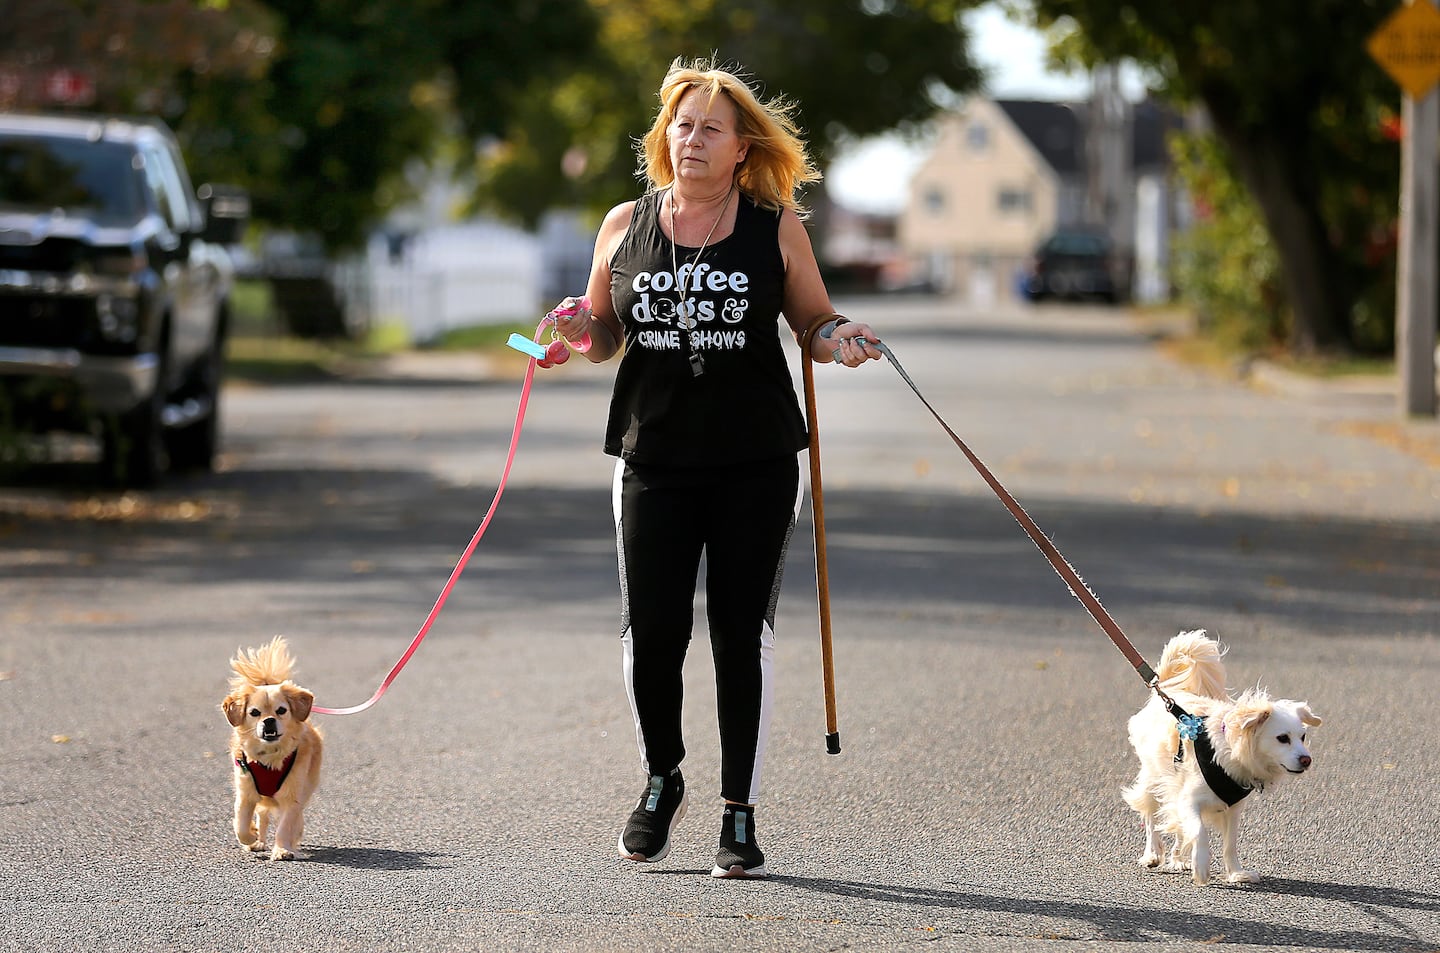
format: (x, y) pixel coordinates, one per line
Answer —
(1120, 921)
(375, 858)
(370, 531)
(1365, 895)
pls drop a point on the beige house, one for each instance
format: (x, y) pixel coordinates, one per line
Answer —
(1002, 175)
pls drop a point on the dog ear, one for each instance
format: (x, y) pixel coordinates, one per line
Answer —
(1250, 718)
(234, 708)
(300, 700)
(1308, 717)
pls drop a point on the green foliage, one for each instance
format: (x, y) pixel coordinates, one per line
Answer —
(134, 52)
(330, 111)
(854, 67)
(1228, 268)
(359, 94)
(1295, 100)
(1225, 266)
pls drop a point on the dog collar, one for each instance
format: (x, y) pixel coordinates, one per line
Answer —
(1226, 788)
(268, 781)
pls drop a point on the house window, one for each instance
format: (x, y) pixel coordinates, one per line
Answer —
(977, 137)
(934, 200)
(1013, 200)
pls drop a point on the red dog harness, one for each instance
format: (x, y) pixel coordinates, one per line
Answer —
(268, 781)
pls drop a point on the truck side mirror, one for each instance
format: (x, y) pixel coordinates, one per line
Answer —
(227, 212)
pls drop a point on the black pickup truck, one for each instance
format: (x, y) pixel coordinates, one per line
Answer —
(114, 291)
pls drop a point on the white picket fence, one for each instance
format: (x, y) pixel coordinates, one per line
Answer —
(452, 277)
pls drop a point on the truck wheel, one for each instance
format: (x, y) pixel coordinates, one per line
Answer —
(195, 446)
(132, 444)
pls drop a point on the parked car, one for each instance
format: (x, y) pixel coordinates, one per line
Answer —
(114, 291)
(1072, 264)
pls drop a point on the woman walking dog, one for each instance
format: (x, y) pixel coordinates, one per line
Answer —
(692, 278)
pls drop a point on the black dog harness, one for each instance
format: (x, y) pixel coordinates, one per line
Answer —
(268, 781)
(1226, 788)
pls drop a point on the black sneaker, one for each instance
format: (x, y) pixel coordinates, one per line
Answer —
(739, 855)
(646, 837)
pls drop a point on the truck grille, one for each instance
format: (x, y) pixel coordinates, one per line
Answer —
(46, 321)
(55, 255)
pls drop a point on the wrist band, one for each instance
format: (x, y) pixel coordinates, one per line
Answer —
(828, 328)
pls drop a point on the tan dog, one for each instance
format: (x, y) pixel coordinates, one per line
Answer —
(1253, 742)
(275, 749)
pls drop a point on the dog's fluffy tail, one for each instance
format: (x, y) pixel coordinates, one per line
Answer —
(1192, 663)
(270, 664)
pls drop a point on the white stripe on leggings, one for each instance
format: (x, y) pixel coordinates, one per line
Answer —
(627, 640)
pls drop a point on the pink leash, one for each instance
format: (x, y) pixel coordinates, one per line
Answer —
(549, 360)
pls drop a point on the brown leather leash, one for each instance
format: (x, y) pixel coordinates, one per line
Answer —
(1057, 561)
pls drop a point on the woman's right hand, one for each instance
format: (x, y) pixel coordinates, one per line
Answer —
(573, 318)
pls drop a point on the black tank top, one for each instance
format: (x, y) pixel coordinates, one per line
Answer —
(743, 407)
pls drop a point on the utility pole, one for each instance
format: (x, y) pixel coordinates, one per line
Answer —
(1107, 147)
(1407, 46)
(1110, 192)
(1415, 275)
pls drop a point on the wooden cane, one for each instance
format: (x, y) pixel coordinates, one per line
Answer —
(817, 509)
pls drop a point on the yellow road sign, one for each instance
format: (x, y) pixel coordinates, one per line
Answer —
(1407, 46)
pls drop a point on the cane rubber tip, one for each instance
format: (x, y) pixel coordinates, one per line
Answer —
(832, 742)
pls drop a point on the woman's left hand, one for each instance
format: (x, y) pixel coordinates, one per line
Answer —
(855, 347)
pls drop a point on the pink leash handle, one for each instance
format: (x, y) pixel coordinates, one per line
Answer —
(464, 557)
(581, 345)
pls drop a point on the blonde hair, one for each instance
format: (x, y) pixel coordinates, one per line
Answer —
(776, 163)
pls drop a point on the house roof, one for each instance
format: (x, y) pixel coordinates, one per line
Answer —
(1057, 131)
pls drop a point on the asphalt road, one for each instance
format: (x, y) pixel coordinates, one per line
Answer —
(975, 804)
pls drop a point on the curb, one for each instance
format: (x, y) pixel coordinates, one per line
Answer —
(1273, 377)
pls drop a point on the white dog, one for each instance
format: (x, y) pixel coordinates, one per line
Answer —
(1230, 748)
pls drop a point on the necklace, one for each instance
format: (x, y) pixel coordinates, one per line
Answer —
(697, 360)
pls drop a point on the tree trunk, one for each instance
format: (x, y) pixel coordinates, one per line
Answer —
(1314, 275)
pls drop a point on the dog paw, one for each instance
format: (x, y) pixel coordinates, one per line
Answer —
(254, 847)
(280, 853)
(1149, 860)
(1243, 877)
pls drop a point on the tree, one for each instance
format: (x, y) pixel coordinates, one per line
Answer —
(357, 92)
(316, 106)
(853, 67)
(128, 55)
(321, 107)
(1297, 103)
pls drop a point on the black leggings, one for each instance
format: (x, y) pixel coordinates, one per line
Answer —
(741, 517)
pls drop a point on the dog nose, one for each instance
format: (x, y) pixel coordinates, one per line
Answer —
(1305, 761)
(269, 726)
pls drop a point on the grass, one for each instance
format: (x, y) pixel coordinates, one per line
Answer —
(1335, 367)
(260, 351)
(1215, 353)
